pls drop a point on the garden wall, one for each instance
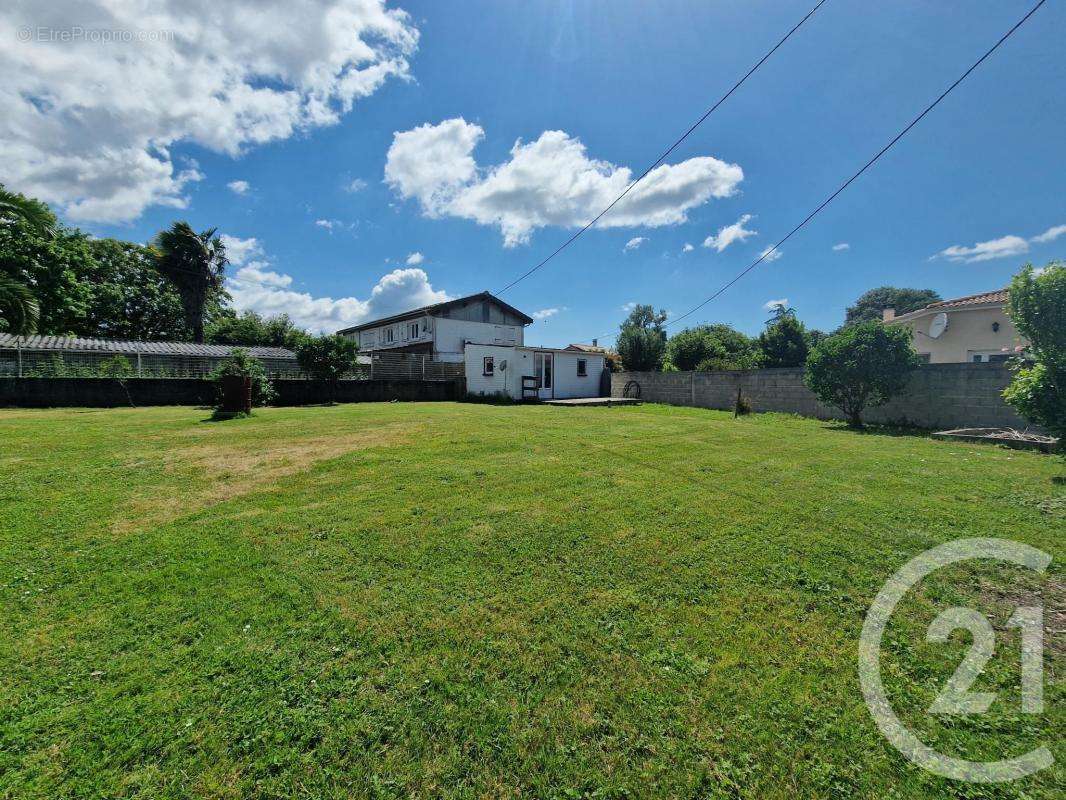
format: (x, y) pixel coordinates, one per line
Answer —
(109, 392)
(939, 396)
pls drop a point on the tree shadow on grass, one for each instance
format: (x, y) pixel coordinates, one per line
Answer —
(879, 430)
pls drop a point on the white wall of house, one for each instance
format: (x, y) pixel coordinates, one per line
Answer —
(453, 334)
(979, 333)
(519, 361)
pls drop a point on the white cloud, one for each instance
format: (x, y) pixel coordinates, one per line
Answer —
(1004, 247)
(547, 182)
(90, 126)
(688, 248)
(769, 254)
(770, 305)
(728, 234)
(629, 307)
(841, 247)
(238, 187)
(329, 224)
(257, 287)
(415, 259)
(634, 243)
(1050, 235)
(545, 313)
(355, 185)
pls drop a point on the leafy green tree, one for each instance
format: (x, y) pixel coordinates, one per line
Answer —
(784, 342)
(251, 329)
(641, 343)
(327, 358)
(708, 348)
(1037, 306)
(870, 305)
(48, 259)
(129, 298)
(19, 311)
(195, 263)
(861, 366)
(780, 311)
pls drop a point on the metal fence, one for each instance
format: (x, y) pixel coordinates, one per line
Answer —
(27, 363)
(409, 367)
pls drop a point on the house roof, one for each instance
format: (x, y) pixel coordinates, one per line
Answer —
(418, 312)
(997, 297)
(533, 348)
(71, 344)
(586, 348)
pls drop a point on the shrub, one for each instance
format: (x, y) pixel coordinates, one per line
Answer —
(727, 348)
(1037, 306)
(241, 364)
(860, 367)
(115, 367)
(327, 358)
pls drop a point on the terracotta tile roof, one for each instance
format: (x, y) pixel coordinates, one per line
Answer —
(72, 344)
(998, 296)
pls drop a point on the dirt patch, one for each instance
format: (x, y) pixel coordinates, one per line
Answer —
(217, 472)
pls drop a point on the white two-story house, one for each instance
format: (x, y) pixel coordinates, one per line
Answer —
(443, 329)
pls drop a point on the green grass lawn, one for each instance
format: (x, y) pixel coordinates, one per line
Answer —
(450, 600)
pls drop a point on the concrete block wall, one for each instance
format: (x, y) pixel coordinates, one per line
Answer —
(938, 396)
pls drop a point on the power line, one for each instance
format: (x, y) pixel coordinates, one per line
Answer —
(865, 167)
(663, 157)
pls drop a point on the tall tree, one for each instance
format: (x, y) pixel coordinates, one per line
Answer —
(129, 298)
(642, 340)
(784, 343)
(195, 263)
(870, 305)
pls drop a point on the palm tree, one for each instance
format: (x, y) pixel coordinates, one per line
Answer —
(35, 213)
(195, 263)
(19, 311)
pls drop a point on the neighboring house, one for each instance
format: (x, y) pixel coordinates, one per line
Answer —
(523, 373)
(443, 329)
(974, 329)
(588, 348)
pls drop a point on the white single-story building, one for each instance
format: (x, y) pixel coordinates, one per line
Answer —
(526, 373)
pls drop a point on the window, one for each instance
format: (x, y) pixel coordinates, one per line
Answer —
(582, 367)
(412, 330)
(488, 366)
(390, 335)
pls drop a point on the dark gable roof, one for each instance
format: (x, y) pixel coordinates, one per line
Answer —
(417, 312)
(70, 344)
(998, 296)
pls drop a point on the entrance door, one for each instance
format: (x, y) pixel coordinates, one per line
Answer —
(543, 368)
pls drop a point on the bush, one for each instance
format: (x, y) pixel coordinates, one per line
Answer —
(241, 364)
(721, 345)
(860, 367)
(1037, 306)
(327, 358)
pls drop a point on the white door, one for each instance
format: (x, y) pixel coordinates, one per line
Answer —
(543, 368)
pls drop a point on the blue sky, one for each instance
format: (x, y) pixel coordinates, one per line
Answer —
(623, 79)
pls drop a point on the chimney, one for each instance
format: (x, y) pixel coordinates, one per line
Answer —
(595, 342)
(888, 314)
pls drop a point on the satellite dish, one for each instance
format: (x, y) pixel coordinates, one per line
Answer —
(938, 325)
(503, 365)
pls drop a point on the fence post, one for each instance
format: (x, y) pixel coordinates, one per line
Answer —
(18, 348)
(423, 368)
(371, 367)
(138, 365)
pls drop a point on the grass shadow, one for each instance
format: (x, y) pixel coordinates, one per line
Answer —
(880, 430)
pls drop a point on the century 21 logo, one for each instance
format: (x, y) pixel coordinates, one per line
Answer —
(956, 696)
